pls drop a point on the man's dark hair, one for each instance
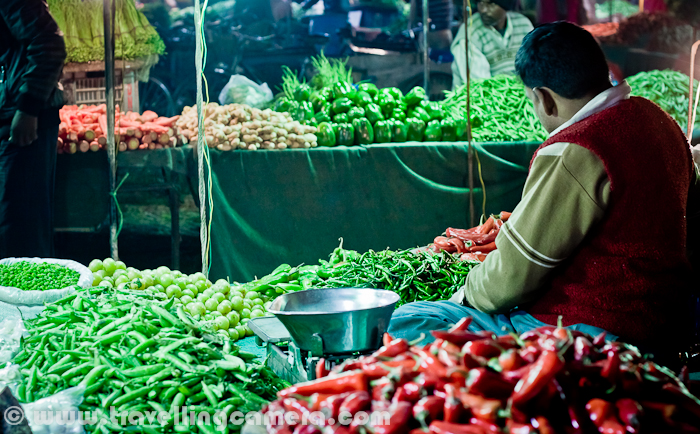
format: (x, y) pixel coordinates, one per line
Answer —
(563, 57)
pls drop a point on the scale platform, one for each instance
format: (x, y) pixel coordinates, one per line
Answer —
(284, 357)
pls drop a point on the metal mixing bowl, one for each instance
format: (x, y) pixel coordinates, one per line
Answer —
(336, 321)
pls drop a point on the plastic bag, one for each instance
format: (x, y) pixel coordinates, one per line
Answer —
(57, 414)
(241, 90)
(11, 331)
(18, 296)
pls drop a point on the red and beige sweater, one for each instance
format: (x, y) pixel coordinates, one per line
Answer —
(599, 236)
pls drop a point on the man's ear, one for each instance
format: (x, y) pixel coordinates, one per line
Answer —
(546, 97)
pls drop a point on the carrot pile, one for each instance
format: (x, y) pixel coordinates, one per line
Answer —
(472, 244)
(84, 128)
(547, 380)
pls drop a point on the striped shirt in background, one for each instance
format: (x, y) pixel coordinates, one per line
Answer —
(490, 53)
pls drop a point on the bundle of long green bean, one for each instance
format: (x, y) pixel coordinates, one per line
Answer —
(135, 353)
(500, 110)
(416, 275)
(669, 89)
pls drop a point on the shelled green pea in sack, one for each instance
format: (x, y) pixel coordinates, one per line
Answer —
(34, 281)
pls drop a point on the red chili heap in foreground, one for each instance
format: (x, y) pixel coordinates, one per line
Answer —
(550, 380)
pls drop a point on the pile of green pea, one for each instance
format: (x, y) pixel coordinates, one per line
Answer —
(37, 276)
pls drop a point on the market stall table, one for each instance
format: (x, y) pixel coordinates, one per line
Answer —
(82, 186)
(272, 207)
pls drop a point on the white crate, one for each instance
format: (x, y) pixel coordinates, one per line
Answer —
(92, 91)
(80, 89)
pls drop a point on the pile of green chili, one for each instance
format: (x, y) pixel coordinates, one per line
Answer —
(136, 353)
(669, 89)
(500, 110)
(416, 275)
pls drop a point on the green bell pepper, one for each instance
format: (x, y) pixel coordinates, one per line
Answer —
(364, 133)
(346, 135)
(461, 124)
(416, 129)
(302, 112)
(282, 105)
(302, 93)
(341, 118)
(373, 113)
(395, 93)
(318, 100)
(398, 114)
(323, 115)
(363, 98)
(382, 132)
(342, 89)
(415, 96)
(419, 113)
(369, 88)
(399, 131)
(334, 125)
(449, 130)
(325, 134)
(435, 111)
(433, 132)
(387, 103)
(356, 113)
(342, 105)
(308, 110)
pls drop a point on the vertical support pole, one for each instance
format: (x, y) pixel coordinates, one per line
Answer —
(466, 12)
(641, 5)
(201, 142)
(691, 109)
(426, 59)
(108, 13)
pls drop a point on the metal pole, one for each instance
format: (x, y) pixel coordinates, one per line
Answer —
(426, 60)
(108, 13)
(641, 5)
(470, 151)
(201, 142)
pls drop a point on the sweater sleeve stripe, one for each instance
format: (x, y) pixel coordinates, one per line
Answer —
(524, 251)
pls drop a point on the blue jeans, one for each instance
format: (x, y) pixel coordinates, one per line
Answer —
(413, 319)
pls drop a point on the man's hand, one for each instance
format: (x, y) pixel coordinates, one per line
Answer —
(24, 129)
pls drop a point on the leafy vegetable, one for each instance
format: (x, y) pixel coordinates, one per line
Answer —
(81, 24)
(330, 71)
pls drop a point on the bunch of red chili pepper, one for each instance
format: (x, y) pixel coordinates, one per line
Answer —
(472, 244)
(548, 380)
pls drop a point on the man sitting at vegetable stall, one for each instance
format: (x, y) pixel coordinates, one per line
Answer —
(495, 34)
(599, 236)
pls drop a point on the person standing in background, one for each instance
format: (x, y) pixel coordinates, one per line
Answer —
(549, 11)
(495, 35)
(32, 53)
(440, 14)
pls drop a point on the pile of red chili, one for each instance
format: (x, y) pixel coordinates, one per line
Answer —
(472, 244)
(549, 380)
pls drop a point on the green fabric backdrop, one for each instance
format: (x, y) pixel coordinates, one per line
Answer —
(273, 207)
(82, 182)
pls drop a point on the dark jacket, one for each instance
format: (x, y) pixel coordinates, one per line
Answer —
(32, 53)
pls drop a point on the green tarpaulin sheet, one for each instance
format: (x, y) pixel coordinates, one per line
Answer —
(82, 182)
(274, 207)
